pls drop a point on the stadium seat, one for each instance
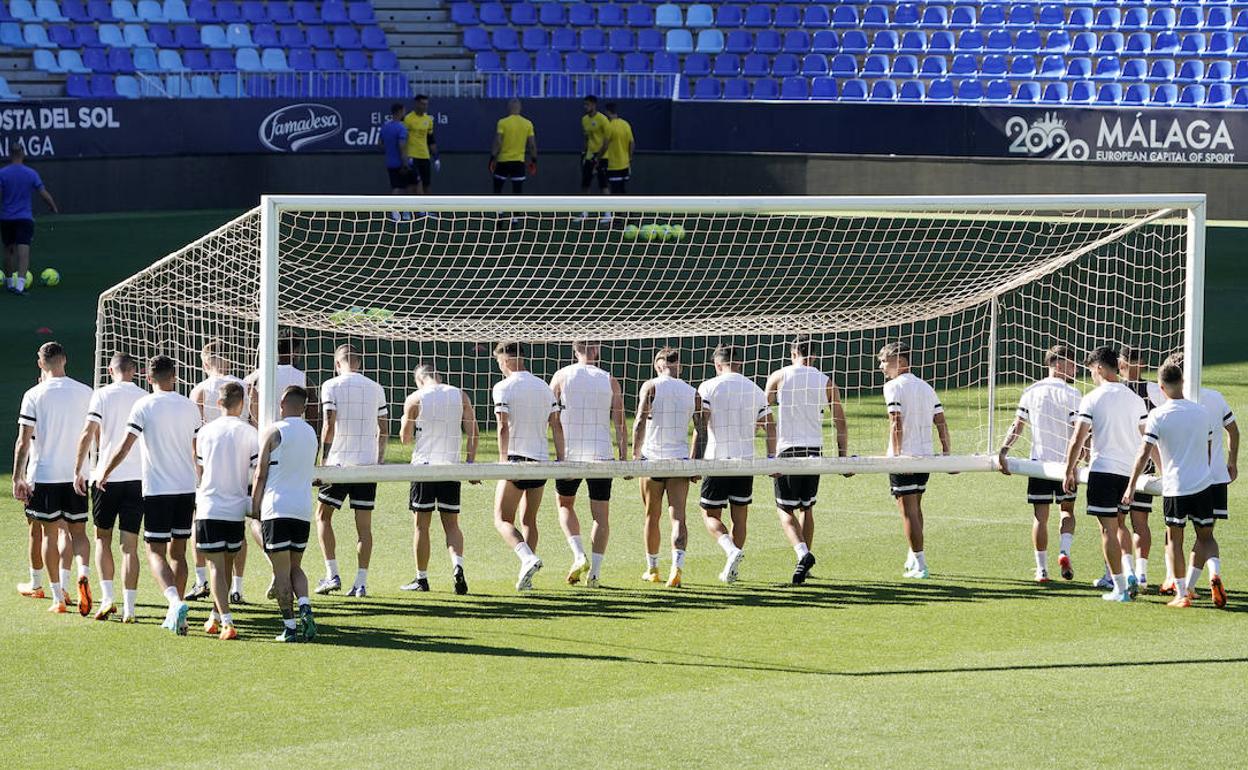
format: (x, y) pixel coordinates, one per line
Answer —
(934, 67)
(1057, 41)
(1192, 96)
(854, 41)
(1080, 18)
(883, 91)
(150, 11)
(1028, 92)
(707, 88)
(962, 17)
(758, 16)
(196, 59)
(698, 16)
(668, 15)
(709, 41)
(729, 15)
(264, 35)
(1084, 43)
(519, 61)
(301, 60)
(229, 12)
(845, 17)
(1052, 16)
(726, 65)
(1136, 95)
(76, 85)
(964, 65)
(756, 65)
(1052, 68)
(1108, 19)
(875, 66)
(1162, 70)
(999, 40)
(934, 17)
(993, 66)
(1166, 43)
(504, 39)
(1135, 69)
(548, 61)
(211, 35)
(906, 15)
(536, 39)
(110, 36)
(638, 16)
(795, 88)
(1223, 43)
(1194, 44)
(1107, 68)
(1055, 93)
(36, 36)
(495, 14)
(46, 61)
(1134, 19)
(610, 15)
(564, 40)
(971, 91)
(737, 89)
(767, 41)
(998, 91)
(254, 12)
(219, 59)
(1109, 93)
(992, 15)
(1218, 72)
(844, 66)
(1023, 16)
(940, 90)
(795, 41)
(854, 90)
(96, 60)
(548, 14)
(885, 41)
(292, 37)
(1165, 95)
(522, 15)
(335, 12)
(274, 60)
(239, 36)
(823, 41)
(618, 40)
(1110, 43)
(135, 36)
(1023, 66)
(1191, 71)
(169, 61)
(484, 61)
(1028, 40)
(145, 60)
(305, 13)
(1218, 95)
(100, 11)
(127, 87)
(49, 10)
(823, 88)
(816, 17)
(102, 87)
(940, 42)
(905, 67)
(873, 17)
(1163, 20)
(123, 10)
(74, 10)
(70, 61)
(1079, 68)
(814, 64)
(912, 91)
(280, 12)
(648, 40)
(971, 40)
(679, 41)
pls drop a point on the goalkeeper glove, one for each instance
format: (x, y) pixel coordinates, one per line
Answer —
(533, 167)
(491, 165)
(437, 163)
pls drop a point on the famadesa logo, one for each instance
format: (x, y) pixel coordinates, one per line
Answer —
(296, 126)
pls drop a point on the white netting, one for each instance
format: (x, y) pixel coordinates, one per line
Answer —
(444, 289)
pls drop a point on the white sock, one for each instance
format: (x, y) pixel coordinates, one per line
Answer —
(331, 568)
(21, 283)
(595, 564)
(1180, 586)
(1141, 570)
(652, 561)
(578, 550)
(212, 614)
(920, 561)
(8, 281)
(65, 581)
(1128, 564)
(1067, 539)
(227, 619)
(1042, 560)
(106, 591)
(725, 542)
(201, 575)
(36, 578)
(129, 599)
(457, 560)
(290, 624)
(422, 574)
(1214, 563)
(1120, 582)
(171, 596)
(84, 570)
(801, 549)
(57, 595)
(361, 577)
(678, 558)
(1193, 575)
(909, 558)
(236, 584)
(524, 552)
(304, 601)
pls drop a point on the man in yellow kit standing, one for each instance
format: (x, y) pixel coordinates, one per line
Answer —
(513, 142)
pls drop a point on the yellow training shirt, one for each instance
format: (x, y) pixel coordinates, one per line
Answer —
(619, 151)
(515, 131)
(595, 129)
(419, 128)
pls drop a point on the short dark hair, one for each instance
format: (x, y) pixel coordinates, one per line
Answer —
(396, 108)
(17, 152)
(422, 98)
(230, 394)
(670, 355)
(49, 351)
(802, 346)
(1130, 355)
(591, 99)
(347, 353)
(124, 362)
(1058, 352)
(288, 345)
(611, 107)
(727, 354)
(162, 367)
(296, 394)
(1170, 373)
(512, 349)
(582, 346)
(898, 349)
(1103, 356)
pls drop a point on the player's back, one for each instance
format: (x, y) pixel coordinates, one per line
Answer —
(1049, 407)
(166, 422)
(439, 426)
(1115, 414)
(207, 392)
(227, 450)
(110, 409)
(736, 405)
(357, 403)
(585, 411)
(515, 131)
(1182, 431)
(17, 183)
(671, 410)
(918, 404)
(287, 375)
(527, 402)
(292, 468)
(56, 409)
(801, 400)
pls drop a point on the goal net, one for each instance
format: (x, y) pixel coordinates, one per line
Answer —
(978, 288)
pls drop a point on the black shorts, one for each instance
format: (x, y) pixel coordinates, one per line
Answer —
(399, 178)
(421, 171)
(17, 232)
(902, 484)
(793, 492)
(168, 517)
(591, 169)
(527, 483)
(599, 489)
(618, 175)
(718, 492)
(1045, 491)
(1217, 500)
(1105, 491)
(1197, 508)
(427, 495)
(363, 496)
(119, 500)
(285, 534)
(217, 536)
(510, 170)
(1142, 502)
(53, 502)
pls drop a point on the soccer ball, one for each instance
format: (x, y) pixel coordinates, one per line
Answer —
(665, 232)
(649, 232)
(678, 233)
(30, 279)
(49, 276)
(630, 233)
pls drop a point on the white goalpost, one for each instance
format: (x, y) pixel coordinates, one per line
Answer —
(978, 286)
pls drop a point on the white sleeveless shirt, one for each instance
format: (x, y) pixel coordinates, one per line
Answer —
(667, 433)
(438, 426)
(585, 402)
(802, 398)
(288, 489)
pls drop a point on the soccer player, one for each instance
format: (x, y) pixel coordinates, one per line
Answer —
(227, 450)
(436, 418)
(732, 409)
(393, 138)
(514, 142)
(1139, 541)
(913, 408)
(619, 151)
(525, 406)
(593, 164)
(281, 498)
(18, 183)
(801, 395)
(590, 400)
(288, 374)
(1179, 435)
(665, 407)
(56, 407)
(1114, 417)
(166, 422)
(122, 504)
(1049, 407)
(357, 424)
(422, 148)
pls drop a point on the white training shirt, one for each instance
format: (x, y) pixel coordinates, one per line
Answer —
(801, 400)
(528, 403)
(585, 411)
(439, 425)
(166, 422)
(210, 389)
(1220, 412)
(292, 465)
(227, 450)
(110, 409)
(56, 408)
(736, 405)
(287, 375)
(1115, 414)
(1181, 430)
(918, 405)
(671, 410)
(357, 402)
(1049, 408)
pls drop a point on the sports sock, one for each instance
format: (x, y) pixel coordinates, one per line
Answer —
(725, 542)
(106, 591)
(1141, 570)
(1214, 563)
(457, 560)
(36, 578)
(228, 619)
(1128, 564)
(201, 576)
(578, 550)
(84, 570)
(595, 564)
(361, 576)
(1120, 582)
(212, 614)
(57, 595)
(129, 598)
(422, 574)
(304, 601)
(1042, 560)
(21, 283)
(652, 561)
(920, 561)
(8, 280)
(290, 624)
(65, 577)
(678, 558)
(1193, 575)
(171, 595)
(331, 568)
(1180, 586)
(1067, 539)
(909, 558)
(523, 552)
(801, 549)
(236, 584)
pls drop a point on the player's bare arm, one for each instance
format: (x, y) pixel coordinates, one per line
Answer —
(942, 430)
(411, 411)
(1142, 458)
(21, 450)
(1074, 452)
(327, 433)
(271, 441)
(468, 422)
(1232, 451)
(90, 435)
(383, 437)
(1016, 430)
(504, 436)
(895, 431)
(556, 432)
(122, 451)
(617, 418)
(645, 402)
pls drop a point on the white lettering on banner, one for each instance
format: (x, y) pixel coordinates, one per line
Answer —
(298, 125)
(1046, 136)
(26, 120)
(360, 137)
(1134, 139)
(1152, 134)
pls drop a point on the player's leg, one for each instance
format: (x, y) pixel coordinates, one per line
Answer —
(218, 587)
(284, 588)
(299, 584)
(129, 574)
(238, 567)
(808, 526)
(50, 533)
(178, 562)
(508, 497)
(1142, 540)
(107, 567)
(1205, 555)
(363, 509)
(200, 588)
(455, 547)
(529, 513)
(1174, 546)
(22, 254)
(600, 530)
(912, 530)
(1040, 540)
(793, 500)
(74, 511)
(565, 497)
(328, 502)
(65, 547)
(677, 491)
(652, 510)
(740, 518)
(714, 501)
(1066, 530)
(498, 184)
(34, 549)
(421, 520)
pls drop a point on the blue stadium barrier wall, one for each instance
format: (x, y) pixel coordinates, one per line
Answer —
(112, 129)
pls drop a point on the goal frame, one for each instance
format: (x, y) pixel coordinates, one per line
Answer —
(273, 206)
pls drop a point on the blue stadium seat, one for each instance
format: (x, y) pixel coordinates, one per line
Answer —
(1162, 70)
(169, 61)
(824, 41)
(1052, 67)
(305, 13)
(1139, 43)
(1108, 19)
(76, 85)
(883, 91)
(71, 61)
(49, 10)
(334, 12)
(229, 12)
(971, 40)
(593, 41)
(1107, 68)
(102, 87)
(934, 67)
(1240, 25)
(695, 64)
(740, 41)
(1110, 43)
(795, 41)
(648, 40)
(548, 61)
(1109, 93)
(668, 15)
(934, 17)
(264, 35)
(1079, 19)
(101, 11)
(707, 88)
(709, 41)
(1023, 66)
(1055, 93)
(854, 90)
(127, 87)
(61, 35)
(638, 15)
(844, 17)
(518, 61)
(854, 41)
(962, 17)
(970, 91)
(522, 14)
(1241, 48)
(210, 35)
(1137, 95)
(1166, 43)
(110, 36)
(1084, 43)
(1218, 72)
(993, 66)
(321, 37)
(1222, 43)
(1163, 20)
(765, 89)
(965, 65)
(814, 65)
(1134, 19)
(874, 17)
(219, 59)
(504, 39)
(1135, 69)
(679, 41)
(36, 36)
(374, 39)
(905, 67)
(728, 15)
(940, 90)
(795, 88)
(758, 16)
(1057, 41)
(123, 10)
(1051, 16)
(787, 17)
(46, 61)
(1190, 19)
(96, 60)
(280, 13)
(767, 41)
(906, 15)
(1218, 19)
(940, 42)
(875, 66)
(756, 65)
(816, 17)
(998, 91)
(1000, 40)
(1194, 44)
(823, 88)
(844, 66)
(1164, 96)
(291, 37)
(135, 36)
(1023, 16)
(385, 61)
(727, 65)
(578, 61)
(618, 41)
(912, 91)
(1028, 92)
(556, 14)
(145, 60)
(1191, 71)
(564, 40)
(636, 63)
(74, 10)
(495, 14)
(150, 11)
(1192, 96)
(301, 60)
(1079, 68)
(610, 15)
(195, 59)
(698, 16)
(992, 15)
(254, 12)
(1027, 40)
(737, 89)
(913, 41)
(885, 41)
(247, 60)
(1218, 95)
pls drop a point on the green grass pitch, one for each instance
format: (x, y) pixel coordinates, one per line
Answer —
(978, 666)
